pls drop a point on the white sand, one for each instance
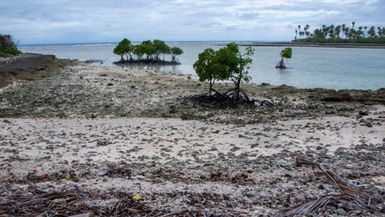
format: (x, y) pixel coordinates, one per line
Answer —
(48, 143)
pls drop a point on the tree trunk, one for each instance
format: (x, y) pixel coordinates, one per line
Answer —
(121, 58)
(210, 88)
(281, 64)
(237, 90)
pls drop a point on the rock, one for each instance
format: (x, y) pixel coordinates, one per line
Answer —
(49, 147)
(254, 145)
(7, 121)
(369, 124)
(354, 182)
(139, 177)
(102, 173)
(100, 143)
(110, 84)
(363, 113)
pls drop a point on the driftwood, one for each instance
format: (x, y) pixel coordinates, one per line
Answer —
(354, 196)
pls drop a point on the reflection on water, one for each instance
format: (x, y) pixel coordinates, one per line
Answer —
(337, 68)
(157, 68)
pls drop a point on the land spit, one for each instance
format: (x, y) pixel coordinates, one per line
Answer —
(111, 141)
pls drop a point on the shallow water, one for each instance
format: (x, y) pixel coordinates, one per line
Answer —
(335, 68)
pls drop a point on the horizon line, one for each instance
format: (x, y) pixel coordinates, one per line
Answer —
(116, 42)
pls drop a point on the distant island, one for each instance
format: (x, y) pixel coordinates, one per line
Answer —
(147, 52)
(341, 34)
(8, 47)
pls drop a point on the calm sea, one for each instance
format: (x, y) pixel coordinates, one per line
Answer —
(335, 68)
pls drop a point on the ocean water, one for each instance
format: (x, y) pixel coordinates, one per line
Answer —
(333, 68)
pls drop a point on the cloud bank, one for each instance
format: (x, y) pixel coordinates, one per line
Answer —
(71, 21)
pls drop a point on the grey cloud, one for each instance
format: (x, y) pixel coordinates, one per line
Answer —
(47, 21)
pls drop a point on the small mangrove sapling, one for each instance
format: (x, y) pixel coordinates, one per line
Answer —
(285, 54)
(227, 63)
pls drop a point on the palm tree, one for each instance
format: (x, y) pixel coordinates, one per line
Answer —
(353, 24)
(365, 30)
(306, 30)
(360, 33)
(344, 29)
(372, 32)
(299, 30)
(338, 31)
(331, 31)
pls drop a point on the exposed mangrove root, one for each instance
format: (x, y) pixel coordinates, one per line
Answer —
(281, 64)
(146, 61)
(351, 196)
(218, 100)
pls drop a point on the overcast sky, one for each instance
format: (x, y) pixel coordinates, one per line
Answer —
(70, 21)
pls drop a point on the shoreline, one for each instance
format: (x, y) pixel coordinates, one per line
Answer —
(29, 67)
(156, 94)
(319, 45)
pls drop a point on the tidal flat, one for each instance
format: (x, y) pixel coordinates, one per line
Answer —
(87, 139)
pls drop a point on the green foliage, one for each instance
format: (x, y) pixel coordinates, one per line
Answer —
(244, 60)
(209, 68)
(124, 48)
(342, 34)
(227, 63)
(138, 51)
(287, 53)
(148, 48)
(8, 47)
(175, 51)
(161, 48)
(152, 50)
(204, 66)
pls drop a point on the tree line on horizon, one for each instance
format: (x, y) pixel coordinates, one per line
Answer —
(146, 52)
(340, 34)
(8, 47)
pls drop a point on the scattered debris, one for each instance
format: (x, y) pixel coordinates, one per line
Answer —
(353, 196)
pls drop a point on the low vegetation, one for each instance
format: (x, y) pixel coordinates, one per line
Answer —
(152, 52)
(341, 34)
(8, 47)
(226, 64)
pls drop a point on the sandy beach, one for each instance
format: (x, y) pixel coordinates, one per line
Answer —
(98, 136)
